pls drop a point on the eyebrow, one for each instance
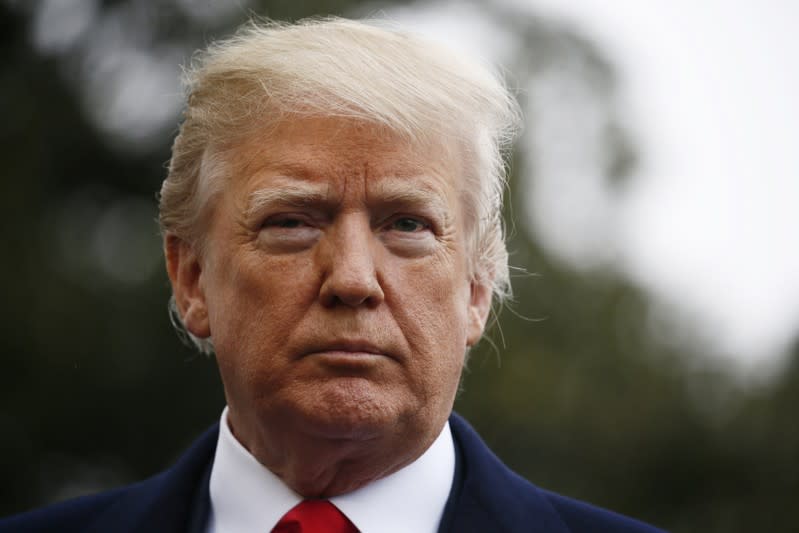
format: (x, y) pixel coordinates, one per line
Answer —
(406, 193)
(400, 192)
(306, 195)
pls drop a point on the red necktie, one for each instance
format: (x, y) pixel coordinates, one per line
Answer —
(314, 516)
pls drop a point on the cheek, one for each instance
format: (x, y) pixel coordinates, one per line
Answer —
(275, 278)
(259, 298)
(430, 305)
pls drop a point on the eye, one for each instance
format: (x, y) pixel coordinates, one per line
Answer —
(285, 222)
(288, 232)
(409, 236)
(408, 225)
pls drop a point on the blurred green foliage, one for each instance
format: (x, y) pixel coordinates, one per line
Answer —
(577, 393)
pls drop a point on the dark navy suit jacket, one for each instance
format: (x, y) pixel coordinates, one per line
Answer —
(486, 497)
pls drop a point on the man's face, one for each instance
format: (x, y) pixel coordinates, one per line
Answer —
(335, 285)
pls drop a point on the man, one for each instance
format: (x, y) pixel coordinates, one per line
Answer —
(332, 234)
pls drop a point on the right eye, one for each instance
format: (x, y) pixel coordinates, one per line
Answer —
(285, 222)
(288, 232)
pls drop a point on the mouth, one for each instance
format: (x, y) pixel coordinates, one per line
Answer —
(347, 352)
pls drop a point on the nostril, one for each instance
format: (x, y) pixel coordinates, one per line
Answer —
(351, 292)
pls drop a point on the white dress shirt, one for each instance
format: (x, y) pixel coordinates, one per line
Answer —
(248, 498)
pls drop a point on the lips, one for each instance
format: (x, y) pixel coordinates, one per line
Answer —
(349, 347)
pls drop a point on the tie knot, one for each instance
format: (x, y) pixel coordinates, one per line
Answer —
(314, 516)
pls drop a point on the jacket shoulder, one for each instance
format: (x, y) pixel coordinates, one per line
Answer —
(162, 503)
(72, 515)
(580, 516)
(492, 497)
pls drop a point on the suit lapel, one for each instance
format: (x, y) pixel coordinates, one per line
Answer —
(489, 496)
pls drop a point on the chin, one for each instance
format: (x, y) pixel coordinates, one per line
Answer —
(351, 408)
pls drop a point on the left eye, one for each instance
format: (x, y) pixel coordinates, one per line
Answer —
(408, 225)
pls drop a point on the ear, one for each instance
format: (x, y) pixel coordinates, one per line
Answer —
(185, 273)
(479, 307)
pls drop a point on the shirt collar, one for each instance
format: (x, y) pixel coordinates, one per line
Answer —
(246, 497)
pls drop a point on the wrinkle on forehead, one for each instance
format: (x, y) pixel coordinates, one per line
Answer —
(379, 192)
(322, 139)
(319, 160)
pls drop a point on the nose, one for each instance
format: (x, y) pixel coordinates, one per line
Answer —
(350, 267)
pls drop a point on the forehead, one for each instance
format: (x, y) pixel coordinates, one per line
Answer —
(336, 154)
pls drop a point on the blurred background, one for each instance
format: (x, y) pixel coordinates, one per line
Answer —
(650, 359)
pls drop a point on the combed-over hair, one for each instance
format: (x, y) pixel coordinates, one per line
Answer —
(332, 67)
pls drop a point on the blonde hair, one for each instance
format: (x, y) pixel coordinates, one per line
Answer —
(363, 70)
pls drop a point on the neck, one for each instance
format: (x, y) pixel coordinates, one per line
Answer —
(316, 465)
